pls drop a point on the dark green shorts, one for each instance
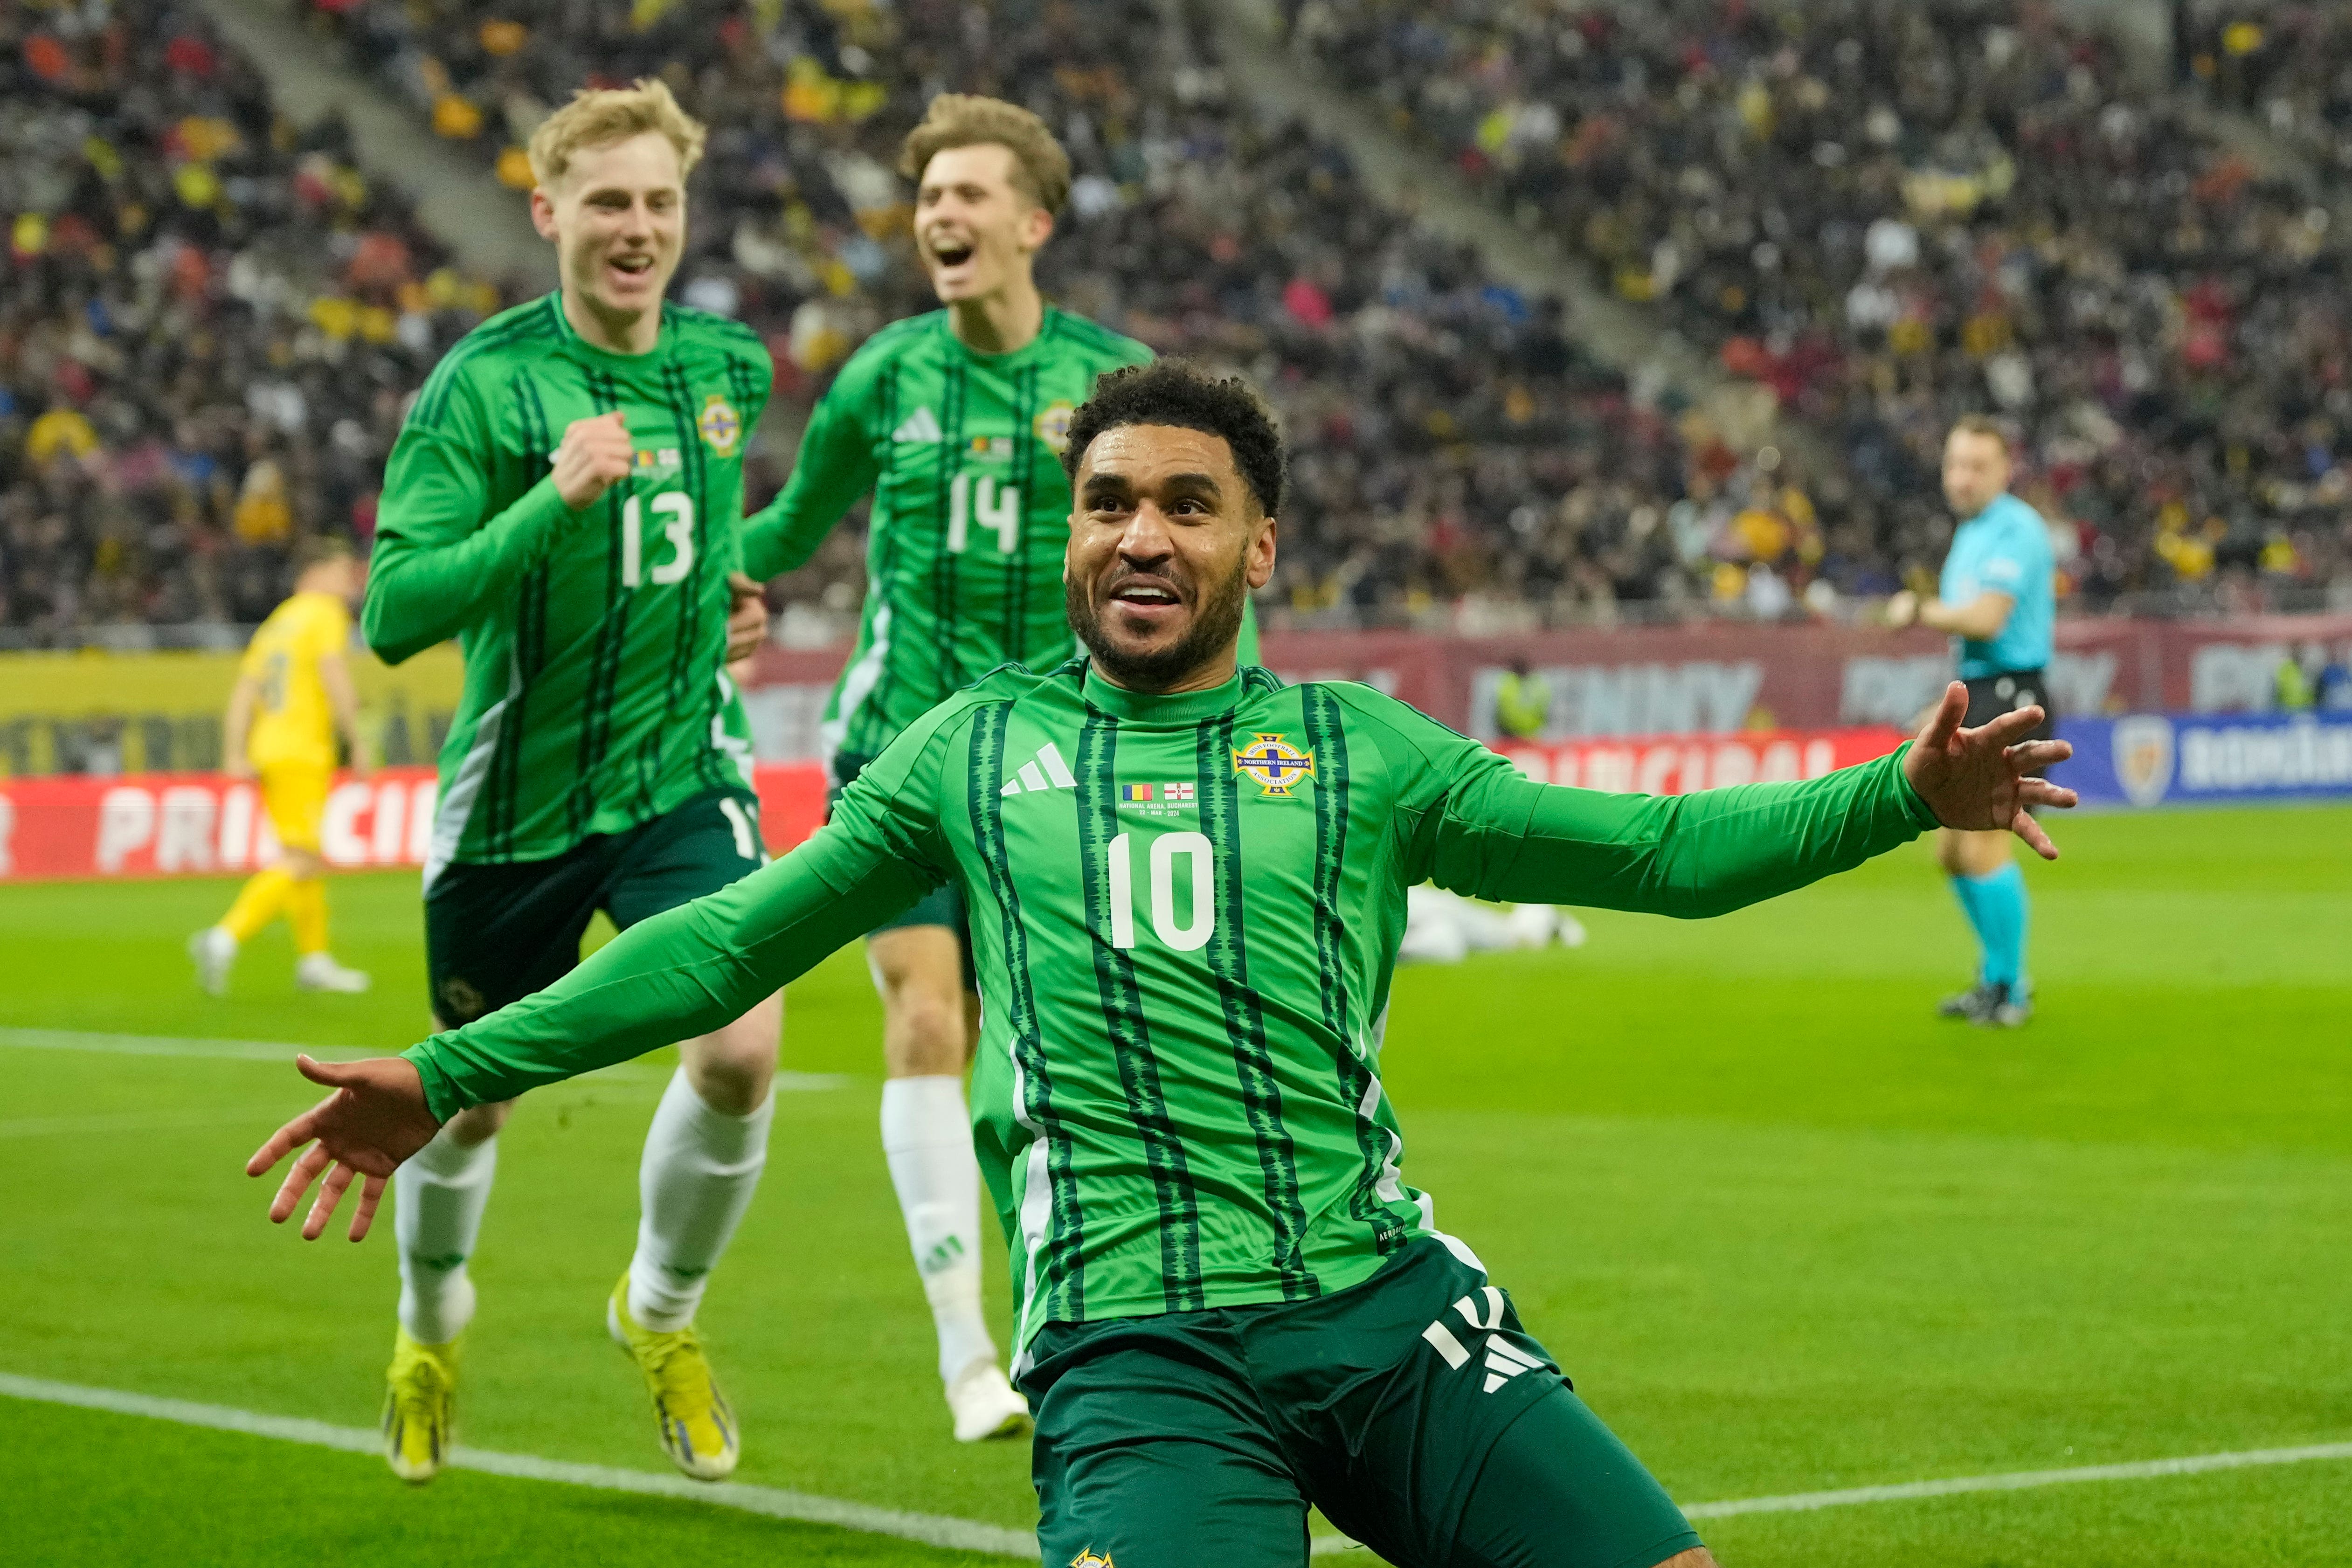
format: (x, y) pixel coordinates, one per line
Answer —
(495, 933)
(941, 906)
(1412, 1409)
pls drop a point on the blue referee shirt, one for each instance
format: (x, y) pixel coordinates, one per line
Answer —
(2005, 548)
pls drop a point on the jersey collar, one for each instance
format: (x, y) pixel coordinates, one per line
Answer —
(1148, 707)
(651, 357)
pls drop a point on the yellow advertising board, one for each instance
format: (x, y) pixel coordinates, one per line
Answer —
(99, 711)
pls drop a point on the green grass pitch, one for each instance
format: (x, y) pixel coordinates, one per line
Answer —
(1787, 1231)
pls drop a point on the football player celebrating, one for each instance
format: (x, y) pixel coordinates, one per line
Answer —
(566, 500)
(1230, 1305)
(955, 423)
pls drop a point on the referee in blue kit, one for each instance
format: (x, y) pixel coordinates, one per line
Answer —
(1998, 598)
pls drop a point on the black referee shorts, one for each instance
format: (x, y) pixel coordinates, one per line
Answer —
(1990, 697)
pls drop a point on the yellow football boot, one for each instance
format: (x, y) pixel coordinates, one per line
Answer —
(698, 1427)
(420, 1401)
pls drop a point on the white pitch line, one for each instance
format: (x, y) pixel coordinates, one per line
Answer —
(1955, 1486)
(936, 1529)
(283, 1051)
(132, 1121)
(928, 1529)
(2022, 1481)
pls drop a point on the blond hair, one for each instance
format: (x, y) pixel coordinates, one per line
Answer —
(600, 116)
(1041, 170)
(1982, 424)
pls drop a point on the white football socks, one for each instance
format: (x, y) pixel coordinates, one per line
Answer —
(437, 1213)
(700, 1169)
(927, 1138)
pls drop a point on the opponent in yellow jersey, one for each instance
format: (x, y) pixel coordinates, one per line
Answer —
(293, 695)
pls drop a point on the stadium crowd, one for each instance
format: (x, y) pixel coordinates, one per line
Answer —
(1451, 441)
(209, 320)
(1894, 212)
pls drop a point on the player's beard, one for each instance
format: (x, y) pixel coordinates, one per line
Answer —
(1216, 622)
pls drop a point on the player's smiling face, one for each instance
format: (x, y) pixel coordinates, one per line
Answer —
(1166, 542)
(618, 220)
(974, 229)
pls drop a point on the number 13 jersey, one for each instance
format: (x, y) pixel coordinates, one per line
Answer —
(596, 696)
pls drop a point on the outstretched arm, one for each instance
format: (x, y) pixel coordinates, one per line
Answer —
(835, 467)
(677, 974)
(1501, 836)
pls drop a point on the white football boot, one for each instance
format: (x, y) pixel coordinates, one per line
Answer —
(985, 1405)
(214, 949)
(319, 972)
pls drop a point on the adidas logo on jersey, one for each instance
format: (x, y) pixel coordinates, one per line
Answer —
(1046, 770)
(920, 426)
(1504, 1360)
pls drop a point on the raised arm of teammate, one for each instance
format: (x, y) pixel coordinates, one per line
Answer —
(1490, 832)
(438, 563)
(836, 465)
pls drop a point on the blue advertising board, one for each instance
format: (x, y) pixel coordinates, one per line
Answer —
(2185, 759)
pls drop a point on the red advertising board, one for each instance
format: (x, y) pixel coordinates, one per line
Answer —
(1679, 764)
(1707, 677)
(170, 824)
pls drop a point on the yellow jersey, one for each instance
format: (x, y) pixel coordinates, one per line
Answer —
(292, 720)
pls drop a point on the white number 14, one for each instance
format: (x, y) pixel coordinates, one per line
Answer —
(996, 507)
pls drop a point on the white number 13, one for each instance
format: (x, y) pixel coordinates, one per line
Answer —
(679, 530)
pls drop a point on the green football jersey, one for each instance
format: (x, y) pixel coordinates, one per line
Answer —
(962, 454)
(1185, 912)
(597, 694)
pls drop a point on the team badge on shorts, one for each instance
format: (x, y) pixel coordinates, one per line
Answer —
(1090, 1558)
(1275, 764)
(460, 1002)
(1053, 425)
(720, 425)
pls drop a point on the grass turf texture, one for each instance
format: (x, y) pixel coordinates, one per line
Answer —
(1788, 1231)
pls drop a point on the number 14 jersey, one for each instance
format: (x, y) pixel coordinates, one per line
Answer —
(963, 453)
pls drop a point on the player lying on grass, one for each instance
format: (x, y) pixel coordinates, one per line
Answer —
(1229, 1304)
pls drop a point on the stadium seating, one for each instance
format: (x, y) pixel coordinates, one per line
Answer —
(1894, 214)
(1450, 442)
(208, 321)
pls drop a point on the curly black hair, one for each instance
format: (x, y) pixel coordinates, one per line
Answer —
(1180, 393)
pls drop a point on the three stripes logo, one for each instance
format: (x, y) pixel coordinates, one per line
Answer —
(1504, 1359)
(1046, 770)
(920, 426)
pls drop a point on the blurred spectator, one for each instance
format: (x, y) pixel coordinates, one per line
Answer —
(209, 320)
(1451, 445)
(1893, 212)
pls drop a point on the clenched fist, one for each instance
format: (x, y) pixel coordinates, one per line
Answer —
(594, 453)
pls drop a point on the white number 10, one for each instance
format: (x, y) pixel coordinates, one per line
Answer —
(679, 530)
(1196, 848)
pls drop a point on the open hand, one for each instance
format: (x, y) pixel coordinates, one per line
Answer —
(594, 455)
(1978, 779)
(747, 620)
(376, 1118)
